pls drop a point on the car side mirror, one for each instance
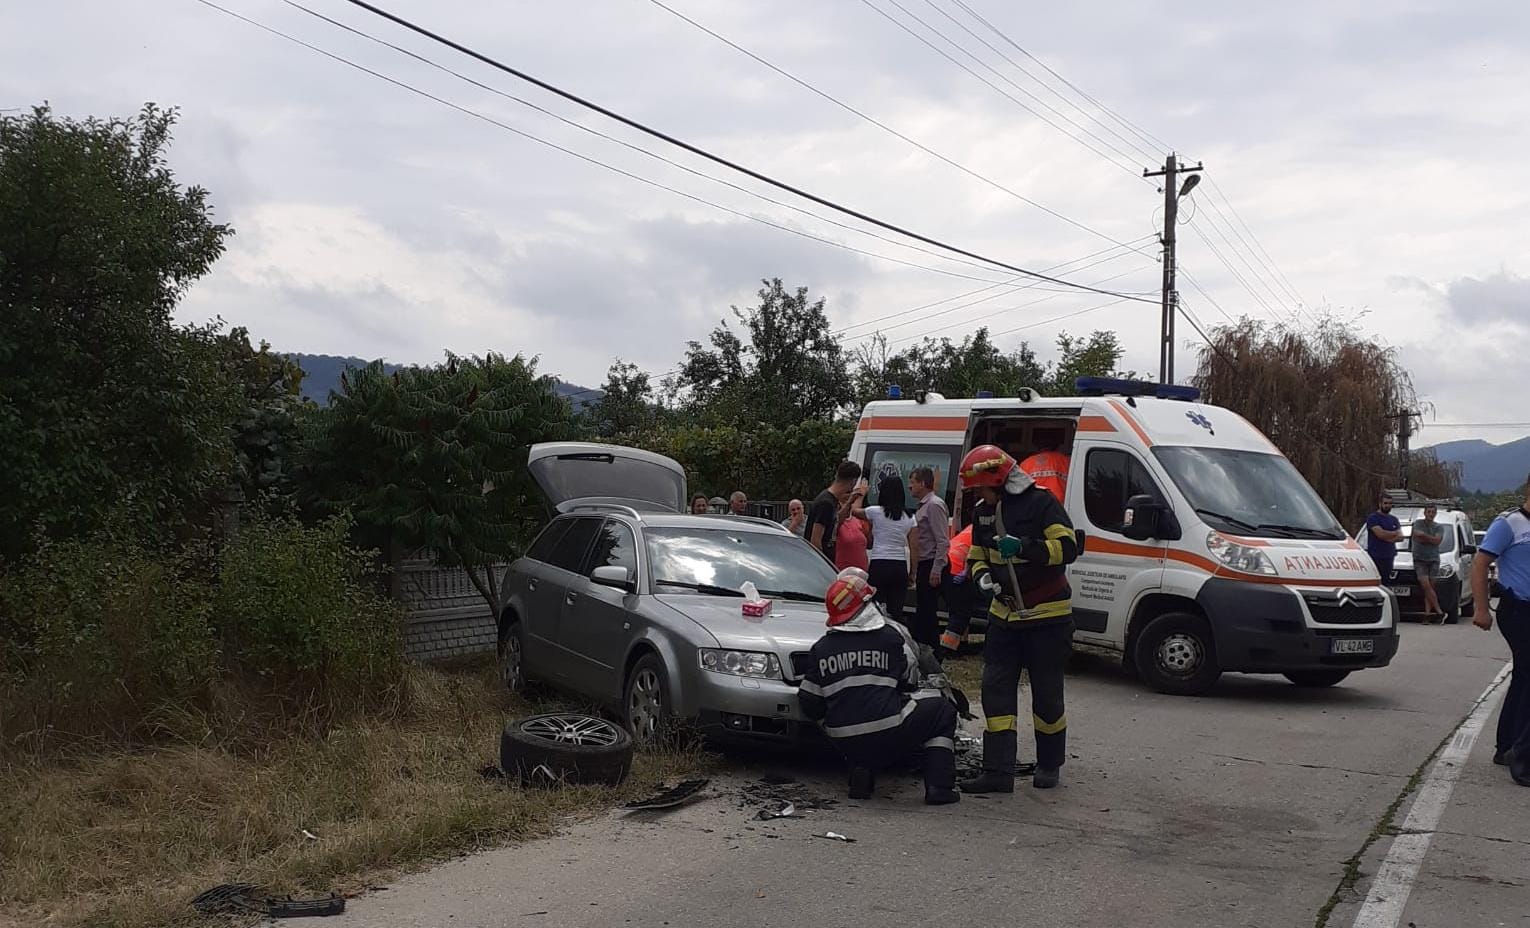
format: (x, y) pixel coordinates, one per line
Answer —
(1468, 549)
(614, 576)
(1140, 521)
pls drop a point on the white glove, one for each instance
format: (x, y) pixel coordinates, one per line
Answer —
(987, 584)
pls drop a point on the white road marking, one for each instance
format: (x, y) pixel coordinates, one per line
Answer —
(1394, 880)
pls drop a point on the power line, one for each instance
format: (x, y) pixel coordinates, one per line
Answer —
(1016, 289)
(1218, 222)
(1217, 252)
(870, 119)
(1152, 141)
(637, 148)
(1475, 425)
(595, 161)
(1285, 281)
(1011, 97)
(1209, 298)
(1137, 148)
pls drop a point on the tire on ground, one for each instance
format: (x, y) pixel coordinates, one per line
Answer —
(537, 760)
(1317, 677)
(1187, 629)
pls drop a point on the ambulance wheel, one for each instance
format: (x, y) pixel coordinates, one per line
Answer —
(1317, 677)
(1175, 654)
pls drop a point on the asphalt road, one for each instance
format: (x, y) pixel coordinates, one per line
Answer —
(1240, 808)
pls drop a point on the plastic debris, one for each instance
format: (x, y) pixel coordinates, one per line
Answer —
(789, 810)
(247, 899)
(836, 836)
(310, 835)
(669, 798)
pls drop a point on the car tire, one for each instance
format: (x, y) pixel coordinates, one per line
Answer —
(565, 748)
(646, 708)
(512, 659)
(1175, 654)
(1316, 678)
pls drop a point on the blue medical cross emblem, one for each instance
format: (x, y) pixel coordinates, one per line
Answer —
(1199, 419)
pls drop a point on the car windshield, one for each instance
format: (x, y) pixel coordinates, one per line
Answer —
(1447, 531)
(713, 560)
(1248, 492)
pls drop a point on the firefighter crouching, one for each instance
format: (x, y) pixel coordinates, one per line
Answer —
(861, 683)
(1021, 543)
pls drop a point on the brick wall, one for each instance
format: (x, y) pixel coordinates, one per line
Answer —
(445, 617)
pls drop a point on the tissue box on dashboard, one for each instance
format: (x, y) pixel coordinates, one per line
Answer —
(757, 608)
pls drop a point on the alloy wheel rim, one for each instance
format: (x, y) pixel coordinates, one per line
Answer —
(583, 730)
(645, 705)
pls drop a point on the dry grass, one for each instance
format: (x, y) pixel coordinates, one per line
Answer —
(126, 840)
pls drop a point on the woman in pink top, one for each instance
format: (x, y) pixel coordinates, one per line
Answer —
(852, 536)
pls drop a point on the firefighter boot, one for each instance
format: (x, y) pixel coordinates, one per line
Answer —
(1046, 777)
(940, 776)
(998, 774)
(863, 782)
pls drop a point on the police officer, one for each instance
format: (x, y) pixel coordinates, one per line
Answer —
(1021, 543)
(861, 683)
(1508, 543)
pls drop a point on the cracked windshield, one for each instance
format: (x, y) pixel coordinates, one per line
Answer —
(927, 461)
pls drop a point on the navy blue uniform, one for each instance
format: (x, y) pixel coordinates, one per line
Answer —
(1508, 541)
(860, 683)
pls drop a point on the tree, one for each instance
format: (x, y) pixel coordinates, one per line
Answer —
(266, 435)
(626, 405)
(1095, 356)
(790, 370)
(107, 408)
(1322, 395)
(435, 458)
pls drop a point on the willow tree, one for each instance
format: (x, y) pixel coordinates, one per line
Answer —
(1326, 396)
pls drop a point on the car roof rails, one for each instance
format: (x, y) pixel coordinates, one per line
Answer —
(608, 507)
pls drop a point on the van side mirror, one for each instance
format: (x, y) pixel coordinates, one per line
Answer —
(1468, 549)
(614, 576)
(1140, 521)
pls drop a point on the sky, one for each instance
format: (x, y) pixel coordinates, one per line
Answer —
(1362, 159)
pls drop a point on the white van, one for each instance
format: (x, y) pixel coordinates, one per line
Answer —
(1205, 550)
(1453, 586)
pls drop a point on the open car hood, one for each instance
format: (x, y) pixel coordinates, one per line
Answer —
(575, 473)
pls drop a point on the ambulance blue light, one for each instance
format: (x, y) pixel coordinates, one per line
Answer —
(894, 392)
(985, 394)
(1100, 386)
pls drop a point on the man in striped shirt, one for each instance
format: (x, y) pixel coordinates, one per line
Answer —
(861, 683)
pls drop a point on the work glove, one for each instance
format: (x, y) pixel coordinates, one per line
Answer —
(986, 583)
(1009, 546)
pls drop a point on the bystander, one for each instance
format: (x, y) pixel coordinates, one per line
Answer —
(1508, 544)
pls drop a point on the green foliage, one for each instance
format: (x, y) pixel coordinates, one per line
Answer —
(102, 636)
(976, 363)
(790, 370)
(106, 406)
(296, 609)
(626, 405)
(267, 435)
(767, 462)
(435, 457)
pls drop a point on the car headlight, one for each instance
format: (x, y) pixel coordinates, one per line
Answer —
(1447, 571)
(741, 663)
(1242, 557)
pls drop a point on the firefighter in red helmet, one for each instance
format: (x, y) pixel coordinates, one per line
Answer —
(1022, 543)
(861, 684)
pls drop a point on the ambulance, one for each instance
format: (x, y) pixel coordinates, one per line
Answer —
(1205, 551)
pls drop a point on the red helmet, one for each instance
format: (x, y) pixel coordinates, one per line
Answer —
(846, 597)
(986, 466)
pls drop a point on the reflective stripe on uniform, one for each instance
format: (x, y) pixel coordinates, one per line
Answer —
(1051, 610)
(1001, 723)
(1054, 552)
(1049, 728)
(946, 743)
(865, 679)
(876, 725)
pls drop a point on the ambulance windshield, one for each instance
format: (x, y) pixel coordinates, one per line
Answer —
(1248, 492)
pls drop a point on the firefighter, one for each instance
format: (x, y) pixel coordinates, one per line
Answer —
(1048, 468)
(1021, 543)
(860, 683)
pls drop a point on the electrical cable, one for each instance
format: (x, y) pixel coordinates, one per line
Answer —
(1217, 222)
(1217, 252)
(1285, 281)
(1128, 168)
(875, 122)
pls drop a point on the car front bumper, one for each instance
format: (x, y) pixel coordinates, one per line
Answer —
(745, 708)
(1261, 628)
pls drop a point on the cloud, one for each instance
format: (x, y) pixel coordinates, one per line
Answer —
(1502, 297)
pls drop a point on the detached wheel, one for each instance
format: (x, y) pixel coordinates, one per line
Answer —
(565, 748)
(1175, 654)
(646, 710)
(1317, 678)
(512, 660)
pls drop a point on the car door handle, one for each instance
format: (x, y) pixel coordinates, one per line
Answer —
(569, 599)
(531, 585)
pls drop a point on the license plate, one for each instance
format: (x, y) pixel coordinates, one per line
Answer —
(1354, 646)
(1402, 590)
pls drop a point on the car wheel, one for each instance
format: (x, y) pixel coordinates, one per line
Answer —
(645, 701)
(1175, 654)
(512, 660)
(564, 748)
(1317, 677)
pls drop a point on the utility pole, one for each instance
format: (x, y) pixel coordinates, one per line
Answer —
(1404, 435)
(1171, 194)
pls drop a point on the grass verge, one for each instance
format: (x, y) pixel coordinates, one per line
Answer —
(125, 840)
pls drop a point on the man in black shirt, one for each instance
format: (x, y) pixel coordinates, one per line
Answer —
(823, 518)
